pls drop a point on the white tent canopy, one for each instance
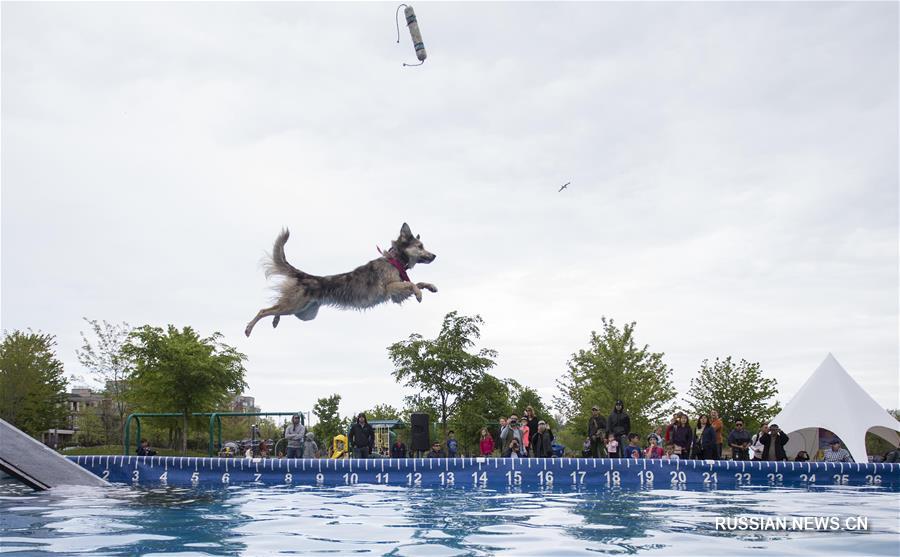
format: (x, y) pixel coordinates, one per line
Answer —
(831, 399)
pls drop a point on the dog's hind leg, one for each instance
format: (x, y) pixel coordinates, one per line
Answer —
(309, 312)
(277, 310)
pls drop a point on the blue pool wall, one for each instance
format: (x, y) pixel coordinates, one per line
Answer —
(483, 472)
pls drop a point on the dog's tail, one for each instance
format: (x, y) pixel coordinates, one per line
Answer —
(278, 264)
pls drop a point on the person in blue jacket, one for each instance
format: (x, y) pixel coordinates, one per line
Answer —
(452, 444)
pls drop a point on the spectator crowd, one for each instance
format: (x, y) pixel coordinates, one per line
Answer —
(607, 437)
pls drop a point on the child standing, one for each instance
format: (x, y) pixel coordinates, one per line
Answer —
(612, 446)
(452, 444)
(633, 449)
(487, 443)
(670, 453)
(653, 450)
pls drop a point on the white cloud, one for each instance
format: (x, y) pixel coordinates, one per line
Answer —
(733, 167)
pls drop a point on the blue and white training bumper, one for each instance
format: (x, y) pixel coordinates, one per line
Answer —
(483, 472)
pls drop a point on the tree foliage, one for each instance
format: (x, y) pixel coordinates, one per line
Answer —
(735, 391)
(178, 371)
(420, 404)
(615, 368)
(105, 359)
(91, 427)
(328, 421)
(382, 412)
(32, 385)
(481, 406)
(443, 368)
(523, 396)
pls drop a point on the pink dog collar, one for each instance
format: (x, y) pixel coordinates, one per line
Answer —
(396, 263)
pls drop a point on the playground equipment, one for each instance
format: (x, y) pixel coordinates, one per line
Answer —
(215, 425)
(385, 435)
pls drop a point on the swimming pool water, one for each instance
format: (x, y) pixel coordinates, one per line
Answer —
(381, 520)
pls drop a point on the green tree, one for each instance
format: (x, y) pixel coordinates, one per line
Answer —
(443, 367)
(328, 422)
(105, 359)
(420, 404)
(876, 445)
(91, 429)
(615, 368)
(382, 412)
(735, 391)
(480, 406)
(178, 371)
(523, 396)
(32, 385)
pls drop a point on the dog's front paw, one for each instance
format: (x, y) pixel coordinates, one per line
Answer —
(417, 293)
(427, 286)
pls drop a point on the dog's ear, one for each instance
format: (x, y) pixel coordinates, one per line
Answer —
(405, 232)
(418, 237)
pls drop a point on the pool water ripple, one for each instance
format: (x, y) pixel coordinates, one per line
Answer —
(373, 520)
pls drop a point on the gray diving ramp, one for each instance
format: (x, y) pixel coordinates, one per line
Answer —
(37, 465)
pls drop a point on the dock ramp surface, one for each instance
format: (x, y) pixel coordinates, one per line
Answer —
(37, 465)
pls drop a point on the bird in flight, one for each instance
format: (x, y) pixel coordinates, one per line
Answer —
(564, 186)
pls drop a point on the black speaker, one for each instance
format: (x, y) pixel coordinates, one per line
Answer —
(420, 436)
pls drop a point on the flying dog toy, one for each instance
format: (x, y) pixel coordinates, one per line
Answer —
(413, 32)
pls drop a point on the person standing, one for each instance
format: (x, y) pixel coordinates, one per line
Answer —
(398, 449)
(452, 444)
(739, 441)
(675, 420)
(619, 423)
(773, 444)
(705, 440)
(310, 448)
(653, 450)
(835, 453)
(436, 451)
(596, 432)
(756, 446)
(681, 436)
(531, 421)
(658, 435)
(633, 449)
(362, 436)
(670, 453)
(612, 446)
(487, 442)
(510, 432)
(526, 436)
(543, 441)
(295, 433)
(717, 425)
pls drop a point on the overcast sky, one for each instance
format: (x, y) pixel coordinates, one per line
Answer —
(734, 174)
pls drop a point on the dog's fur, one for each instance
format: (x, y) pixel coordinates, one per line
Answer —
(374, 283)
